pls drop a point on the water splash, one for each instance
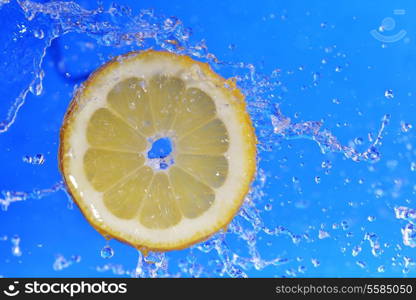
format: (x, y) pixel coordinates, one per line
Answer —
(8, 197)
(409, 230)
(61, 262)
(117, 27)
(37, 159)
(326, 141)
(16, 251)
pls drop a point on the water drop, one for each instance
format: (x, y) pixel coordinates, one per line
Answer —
(389, 94)
(323, 234)
(268, 207)
(409, 235)
(39, 34)
(38, 159)
(381, 269)
(107, 252)
(356, 250)
(358, 141)
(16, 251)
(315, 262)
(326, 164)
(361, 264)
(344, 225)
(317, 179)
(301, 269)
(406, 126)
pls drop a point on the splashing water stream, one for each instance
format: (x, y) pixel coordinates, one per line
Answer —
(119, 28)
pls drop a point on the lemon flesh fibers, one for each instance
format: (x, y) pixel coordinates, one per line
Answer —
(156, 202)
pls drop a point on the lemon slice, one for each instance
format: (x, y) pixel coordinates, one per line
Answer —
(157, 199)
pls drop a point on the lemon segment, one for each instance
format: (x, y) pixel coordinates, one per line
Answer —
(193, 196)
(211, 138)
(106, 130)
(160, 209)
(104, 168)
(211, 170)
(165, 93)
(156, 202)
(195, 108)
(125, 197)
(131, 102)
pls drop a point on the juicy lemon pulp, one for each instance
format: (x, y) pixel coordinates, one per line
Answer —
(118, 135)
(110, 128)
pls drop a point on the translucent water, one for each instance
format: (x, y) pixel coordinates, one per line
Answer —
(117, 30)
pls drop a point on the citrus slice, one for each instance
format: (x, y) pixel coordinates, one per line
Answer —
(157, 197)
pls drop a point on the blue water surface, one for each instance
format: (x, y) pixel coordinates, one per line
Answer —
(346, 66)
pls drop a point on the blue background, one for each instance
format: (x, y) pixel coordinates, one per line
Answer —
(300, 38)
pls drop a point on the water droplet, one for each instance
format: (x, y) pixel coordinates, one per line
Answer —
(16, 251)
(406, 126)
(317, 179)
(315, 77)
(326, 164)
(338, 69)
(336, 101)
(301, 269)
(39, 34)
(358, 141)
(323, 234)
(107, 252)
(344, 225)
(356, 250)
(389, 94)
(38, 159)
(268, 207)
(381, 269)
(409, 235)
(361, 264)
(315, 262)
(371, 218)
